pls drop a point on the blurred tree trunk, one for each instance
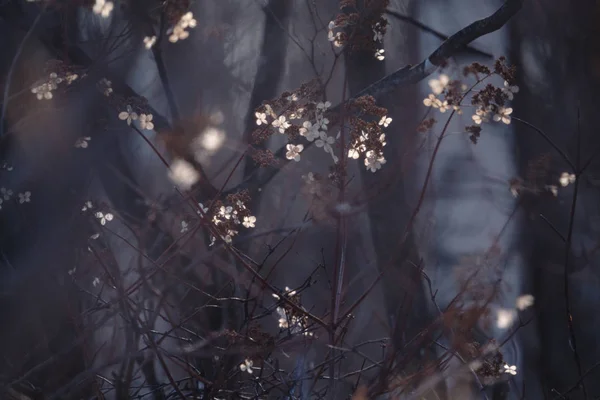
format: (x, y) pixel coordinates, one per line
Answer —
(556, 46)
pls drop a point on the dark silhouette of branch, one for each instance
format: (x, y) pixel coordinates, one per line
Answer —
(469, 50)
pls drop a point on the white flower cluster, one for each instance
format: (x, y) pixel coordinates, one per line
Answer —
(287, 320)
(566, 179)
(44, 91)
(373, 160)
(179, 32)
(106, 86)
(247, 366)
(378, 38)
(103, 8)
(149, 41)
(499, 114)
(317, 132)
(230, 214)
(336, 38)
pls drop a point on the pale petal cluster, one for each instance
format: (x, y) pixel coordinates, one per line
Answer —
(566, 179)
(103, 8)
(179, 32)
(293, 151)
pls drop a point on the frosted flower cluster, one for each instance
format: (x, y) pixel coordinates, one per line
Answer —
(179, 32)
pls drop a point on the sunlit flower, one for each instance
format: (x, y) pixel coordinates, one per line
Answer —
(432, 101)
(379, 54)
(246, 366)
(505, 318)
(149, 41)
(281, 124)
(566, 178)
(128, 115)
(261, 118)
(373, 162)
(438, 85)
(146, 121)
(293, 151)
(249, 221)
(385, 121)
(510, 369)
(103, 8)
(524, 302)
(503, 115)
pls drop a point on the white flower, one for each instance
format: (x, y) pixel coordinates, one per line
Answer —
(6, 193)
(128, 115)
(443, 106)
(103, 8)
(87, 206)
(432, 101)
(353, 153)
(204, 209)
(325, 142)
(525, 301)
(283, 320)
(261, 118)
(246, 366)
(25, 197)
(566, 178)
(249, 221)
(104, 218)
(309, 131)
(281, 123)
(510, 369)
(385, 121)
(184, 227)
(373, 162)
(293, 151)
(323, 106)
(509, 90)
(177, 34)
(505, 318)
(379, 54)
(552, 189)
(503, 115)
(481, 116)
(438, 85)
(331, 25)
(95, 282)
(292, 97)
(226, 211)
(149, 41)
(377, 36)
(187, 20)
(82, 142)
(146, 121)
